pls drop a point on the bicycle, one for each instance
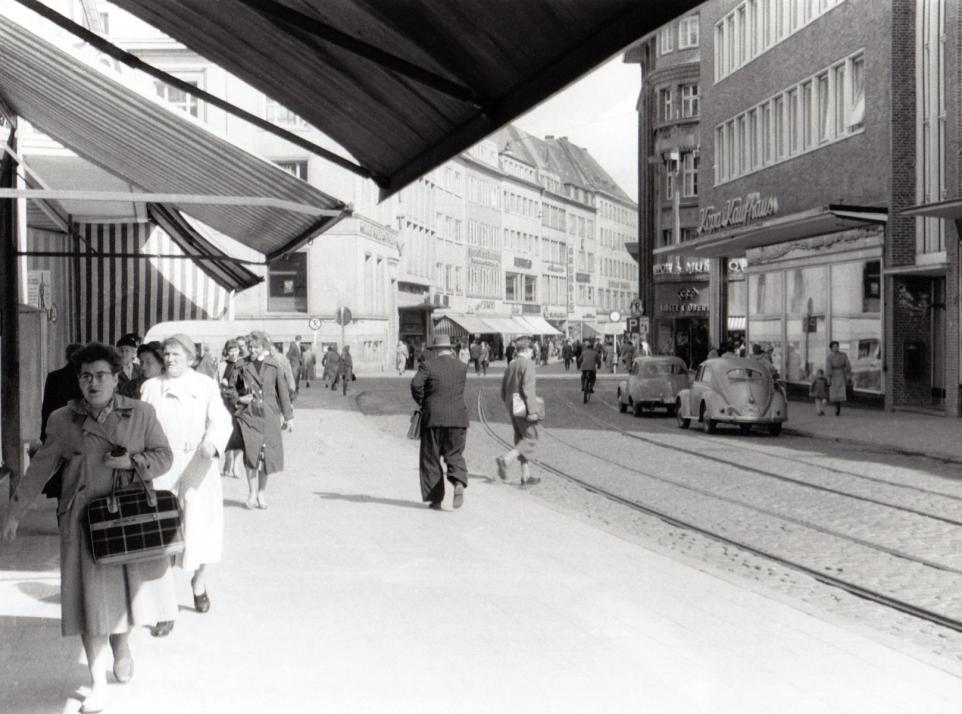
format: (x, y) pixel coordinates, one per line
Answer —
(587, 384)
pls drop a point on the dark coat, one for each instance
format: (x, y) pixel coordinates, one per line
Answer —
(60, 387)
(259, 422)
(438, 388)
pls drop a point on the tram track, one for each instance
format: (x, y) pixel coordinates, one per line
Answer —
(848, 585)
(743, 467)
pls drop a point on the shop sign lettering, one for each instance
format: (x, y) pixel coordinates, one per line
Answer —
(483, 256)
(688, 266)
(522, 263)
(688, 294)
(737, 212)
(684, 307)
(554, 268)
(619, 285)
(484, 305)
(583, 278)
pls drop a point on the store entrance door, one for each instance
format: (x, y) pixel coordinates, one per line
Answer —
(691, 340)
(937, 377)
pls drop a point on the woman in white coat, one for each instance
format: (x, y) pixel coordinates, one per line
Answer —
(198, 426)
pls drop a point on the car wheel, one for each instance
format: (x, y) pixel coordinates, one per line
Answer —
(636, 409)
(708, 424)
(622, 407)
(744, 429)
(682, 421)
(775, 429)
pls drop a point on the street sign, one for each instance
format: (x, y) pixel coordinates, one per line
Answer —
(614, 316)
(634, 325)
(343, 316)
(314, 323)
(635, 308)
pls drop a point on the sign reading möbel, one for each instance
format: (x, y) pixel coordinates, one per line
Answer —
(737, 212)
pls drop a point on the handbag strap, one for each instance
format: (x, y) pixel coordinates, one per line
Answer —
(118, 477)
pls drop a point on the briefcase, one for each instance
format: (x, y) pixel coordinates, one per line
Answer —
(414, 428)
(134, 523)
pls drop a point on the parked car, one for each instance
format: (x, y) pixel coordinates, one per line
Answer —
(733, 390)
(653, 382)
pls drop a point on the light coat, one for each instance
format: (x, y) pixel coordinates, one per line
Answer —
(520, 377)
(191, 411)
(100, 599)
(839, 372)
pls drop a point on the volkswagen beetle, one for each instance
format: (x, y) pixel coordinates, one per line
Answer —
(733, 390)
(653, 382)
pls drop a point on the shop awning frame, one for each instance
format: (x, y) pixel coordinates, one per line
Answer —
(781, 229)
(471, 324)
(538, 325)
(158, 149)
(949, 209)
(439, 88)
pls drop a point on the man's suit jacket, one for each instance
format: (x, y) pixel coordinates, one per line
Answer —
(520, 377)
(59, 388)
(438, 388)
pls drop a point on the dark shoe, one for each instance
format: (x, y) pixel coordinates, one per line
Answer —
(502, 468)
(531, 480)
(435, 506)
(202, 602)
(458, 496)
(123, 663)
(162, 629)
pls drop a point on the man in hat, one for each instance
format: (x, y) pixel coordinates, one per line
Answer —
(438, 389)
(127, 346)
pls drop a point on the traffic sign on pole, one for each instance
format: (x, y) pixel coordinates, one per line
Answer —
(314, 323)
(343, 316)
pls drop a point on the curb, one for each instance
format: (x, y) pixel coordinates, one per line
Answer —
(947, 458)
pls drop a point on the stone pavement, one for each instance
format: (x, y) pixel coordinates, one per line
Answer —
(348, 595)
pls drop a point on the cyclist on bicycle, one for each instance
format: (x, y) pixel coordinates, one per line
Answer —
(588, 362)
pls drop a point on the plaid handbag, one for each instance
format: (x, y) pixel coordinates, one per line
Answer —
(134, 523)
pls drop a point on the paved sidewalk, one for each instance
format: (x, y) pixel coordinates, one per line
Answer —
(348, 595)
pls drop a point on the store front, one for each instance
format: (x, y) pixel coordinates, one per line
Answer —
(803, 295)
(681, 321)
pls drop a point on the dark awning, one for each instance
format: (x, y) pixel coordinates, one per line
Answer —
(950, 209)
(224, 271)
(404, 86)
(157, 149)
(804, 224)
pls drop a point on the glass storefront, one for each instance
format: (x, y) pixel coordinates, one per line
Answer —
(795, 313)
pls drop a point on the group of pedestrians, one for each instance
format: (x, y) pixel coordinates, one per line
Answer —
(438, 390)
(115, 416)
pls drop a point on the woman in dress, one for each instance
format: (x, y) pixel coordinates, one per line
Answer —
(839, 372)
(191, 411)
(264, 400)
(101, 603)
(401, 357)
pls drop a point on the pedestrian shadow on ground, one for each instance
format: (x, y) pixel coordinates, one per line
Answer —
(47, 673)
(364, 498)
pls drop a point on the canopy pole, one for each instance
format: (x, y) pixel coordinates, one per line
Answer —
(70, 254)
(135, 62)
(9, 323)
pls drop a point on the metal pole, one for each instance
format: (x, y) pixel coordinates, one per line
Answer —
(9, 323)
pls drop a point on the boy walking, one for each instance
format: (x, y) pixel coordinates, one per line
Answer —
(819, 390)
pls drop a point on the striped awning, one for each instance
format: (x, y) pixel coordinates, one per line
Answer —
(470, 324)
(736, 323)
(85, 106)
(447, 326)
(538, 325)
(507, 326)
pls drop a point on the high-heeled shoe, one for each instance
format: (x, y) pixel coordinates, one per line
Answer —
(202, 602)
(251, 503)
(162, 629)
(261, 501)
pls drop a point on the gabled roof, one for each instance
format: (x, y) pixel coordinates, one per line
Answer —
(405, 86)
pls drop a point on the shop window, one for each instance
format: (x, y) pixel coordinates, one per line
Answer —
(872, 286)
(287, 283)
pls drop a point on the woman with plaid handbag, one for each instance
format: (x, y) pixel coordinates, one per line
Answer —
(101, 603)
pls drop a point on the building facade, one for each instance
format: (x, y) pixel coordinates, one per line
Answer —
(814, 141)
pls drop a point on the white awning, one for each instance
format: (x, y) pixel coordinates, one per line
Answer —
(606, 328)
(736, 323)
(538, 325)
(507, 326)
(471, 324)
(137, 137)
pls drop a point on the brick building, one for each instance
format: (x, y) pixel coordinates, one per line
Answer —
(821, 122)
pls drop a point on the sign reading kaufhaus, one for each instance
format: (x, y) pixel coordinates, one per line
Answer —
(737, 212)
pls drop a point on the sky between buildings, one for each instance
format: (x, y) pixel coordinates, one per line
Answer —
(597, 113)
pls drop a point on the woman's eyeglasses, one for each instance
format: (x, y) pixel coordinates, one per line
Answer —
(87, 377)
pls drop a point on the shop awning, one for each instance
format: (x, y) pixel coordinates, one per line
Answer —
(157, 149)
(950, 209)
(782, 229)
(736, 323)
(507, 326)
(404, 86)
(538, 325)
(472, 325)
(605, 328)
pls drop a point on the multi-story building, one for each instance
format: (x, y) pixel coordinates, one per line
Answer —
(814, 142)
(674, 289)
